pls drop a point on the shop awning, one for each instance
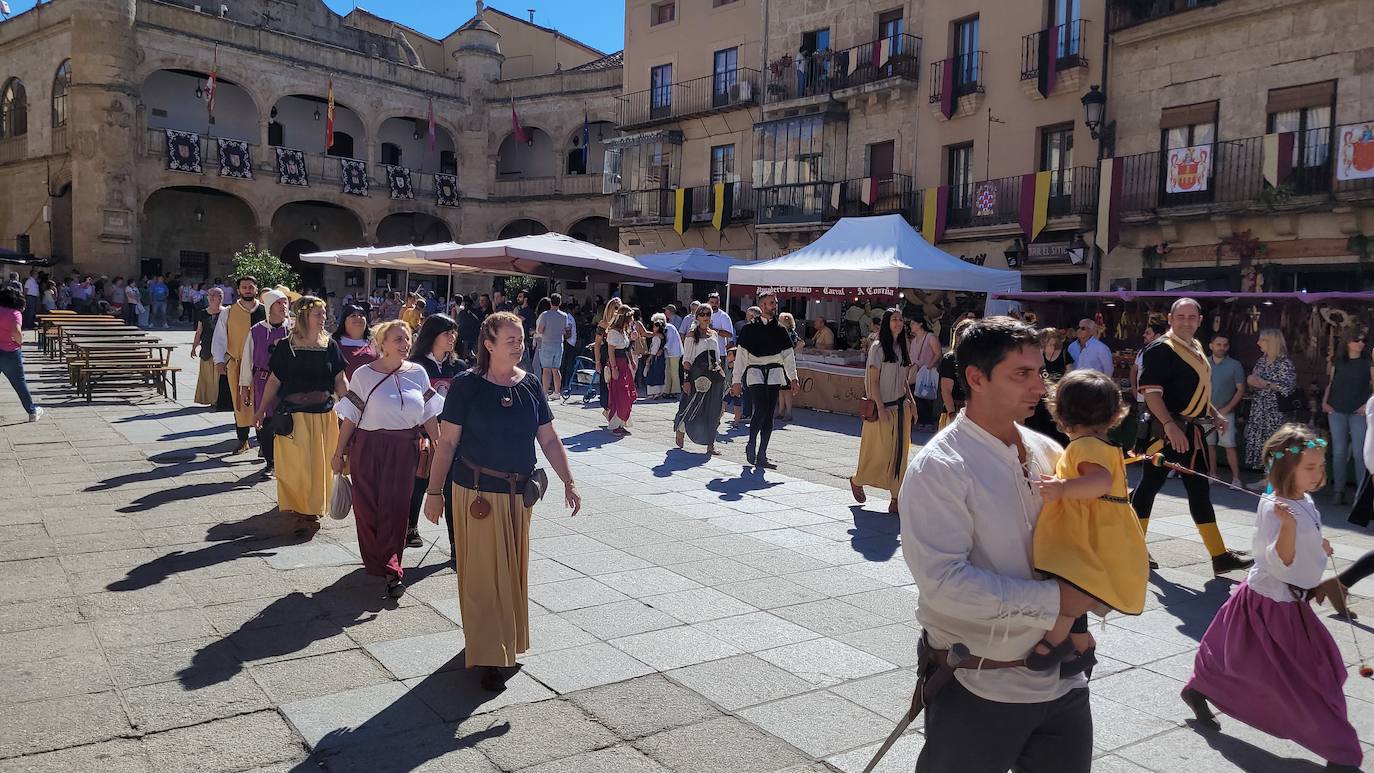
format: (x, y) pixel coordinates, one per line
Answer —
(550, 254)
(693, 264)
(869, 256)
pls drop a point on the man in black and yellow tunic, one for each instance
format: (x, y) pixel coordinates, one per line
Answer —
(1176, 379)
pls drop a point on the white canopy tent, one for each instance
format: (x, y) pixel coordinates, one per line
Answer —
(548, 255)
(401, 258)
(871, 256)
(693, 264)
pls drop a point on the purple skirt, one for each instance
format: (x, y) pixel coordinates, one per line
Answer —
(1275, 667)
(383, 464)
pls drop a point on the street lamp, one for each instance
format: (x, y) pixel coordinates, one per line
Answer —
(317, 114)
(314, 224)
(1094, 115)
(1015, 253)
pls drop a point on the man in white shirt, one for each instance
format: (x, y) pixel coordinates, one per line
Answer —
(31, 296)
(721, 323)
(968, 506)
(672, 350)
(685, 326)
(765, 364)
(674, 319)
(1088, 352)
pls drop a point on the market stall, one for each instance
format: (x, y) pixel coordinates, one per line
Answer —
(550, 255)
(871, 262)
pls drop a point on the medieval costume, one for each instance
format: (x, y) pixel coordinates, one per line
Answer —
(257, 353)
(698, 410)
(441, 376)
(231, 331)
(211, 387)
(306, 401)
(620, 389)
(765, 363)
(356, 352)
(885, 443)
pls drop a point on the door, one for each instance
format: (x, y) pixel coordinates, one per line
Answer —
(966, 56)
(661, 91)
(960, 180)
(1198, 134)
(880, 162)
(724, 76)
(1056, 157)
(1311, 157)
(813, 73)
(1066, 18)
(889, 30)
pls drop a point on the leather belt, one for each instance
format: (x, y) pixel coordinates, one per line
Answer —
(936, 656)
(897, 455)
(514, 480)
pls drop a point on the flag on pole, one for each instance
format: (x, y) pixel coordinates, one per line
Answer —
(520, 134)
(431, 126)
(210, 94)
(936, 201)
(329, 119)
(586, 143)
(1035, 203)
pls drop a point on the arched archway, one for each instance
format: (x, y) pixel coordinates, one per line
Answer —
(517, 160)
(311, 274)
(14, 109)
(522, 227)
(405, 142)
(596, 230)
(588, 158)
(176, 99)
(299, 121)
(412, 228)
(321, 223)
(193, 230)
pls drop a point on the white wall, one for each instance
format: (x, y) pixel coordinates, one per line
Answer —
(414, 153)
(235, 116)
(301, 131)
(517, 161)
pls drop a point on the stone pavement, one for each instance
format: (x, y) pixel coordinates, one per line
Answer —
(159, 615)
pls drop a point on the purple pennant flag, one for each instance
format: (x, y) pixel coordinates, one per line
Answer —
(1049, 58)
(947, 89)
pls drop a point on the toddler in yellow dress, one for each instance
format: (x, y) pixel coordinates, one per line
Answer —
(1088, 535)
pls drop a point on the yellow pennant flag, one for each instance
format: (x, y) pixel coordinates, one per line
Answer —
(1041, 213)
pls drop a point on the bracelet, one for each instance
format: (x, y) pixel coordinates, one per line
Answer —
(1170, 421)
(434, 493)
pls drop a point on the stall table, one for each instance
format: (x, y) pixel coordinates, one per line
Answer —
(831, 381)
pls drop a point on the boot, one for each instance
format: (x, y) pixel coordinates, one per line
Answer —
(1229, 562)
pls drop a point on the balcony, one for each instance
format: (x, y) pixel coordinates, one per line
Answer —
(963, 74)
(704, 203)
(14, 149)
(1128, 13)
(712, 93)
(796, 204)
(894, 195)
(654, 207)
(989, 203)
(1229, 174)
(525, 187)
(59, 140)
(1067, 41)
(824, 72)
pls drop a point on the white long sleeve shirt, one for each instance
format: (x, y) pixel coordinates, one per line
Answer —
(749, 376)
(968, 511)
(1269, 576)
(390, 407)
(691, 348)
(1095, 356)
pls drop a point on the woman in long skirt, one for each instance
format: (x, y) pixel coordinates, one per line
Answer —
(621, 370)
(886, 443)
(435, 350)
(495, 401)
(388, 402)
(601, 355)
(698, 410)
(1266, 659)
(307, 373)
(655, 373)
(209, 389)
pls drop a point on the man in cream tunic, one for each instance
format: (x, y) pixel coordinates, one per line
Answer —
(968, 507)
(227, 348)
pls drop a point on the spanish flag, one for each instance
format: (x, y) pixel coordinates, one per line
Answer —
(329, 118)
(936, 203)
(682, 219)
(723, 194)
(1035, 203)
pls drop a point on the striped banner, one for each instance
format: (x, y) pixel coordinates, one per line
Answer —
(1035, 203)
(936, 202)
(724, 197)
(1108, 206)
(682, 217)
(1278, 157)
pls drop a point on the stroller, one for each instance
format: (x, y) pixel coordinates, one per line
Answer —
(585, 379)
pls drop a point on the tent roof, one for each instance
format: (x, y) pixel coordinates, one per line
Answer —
(694, 263)
(402, 257)
(544, 254)
(878, 251)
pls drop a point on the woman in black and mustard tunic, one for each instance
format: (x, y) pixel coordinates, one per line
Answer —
(354, 338)
(493, 417)
(435, 351)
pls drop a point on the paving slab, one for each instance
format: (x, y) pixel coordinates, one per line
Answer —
(579, 668)
(540, 732)
(225, 745)
(743, 680)
(717, 745)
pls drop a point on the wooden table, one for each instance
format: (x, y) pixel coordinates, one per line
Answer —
(138, 361)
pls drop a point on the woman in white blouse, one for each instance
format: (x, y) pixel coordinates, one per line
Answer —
(387, 403)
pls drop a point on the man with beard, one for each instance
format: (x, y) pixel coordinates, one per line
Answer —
(764, 364)
(227, 346)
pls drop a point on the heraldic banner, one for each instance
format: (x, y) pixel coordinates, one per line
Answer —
(234, 160)
(354, 174)
(1189, 169)
(291, 167)
(183, 151)
(1355, 160)
(446, 190)
(398, 181)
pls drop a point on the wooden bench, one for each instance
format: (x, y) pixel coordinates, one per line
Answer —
(100, 364)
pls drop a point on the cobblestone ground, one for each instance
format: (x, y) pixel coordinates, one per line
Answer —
(157, 614)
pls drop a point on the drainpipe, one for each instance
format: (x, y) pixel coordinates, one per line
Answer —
(1095, 275)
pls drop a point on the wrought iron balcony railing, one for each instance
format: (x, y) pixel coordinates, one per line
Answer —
(1072, 191)
(1128, 13)
(964, 74)
(793, 77)
(1067, 41)
(721, 91)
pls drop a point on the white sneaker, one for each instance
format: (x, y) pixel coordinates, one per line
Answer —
(37, 413)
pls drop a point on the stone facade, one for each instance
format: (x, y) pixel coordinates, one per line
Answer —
(1236, 55)
(138, 69)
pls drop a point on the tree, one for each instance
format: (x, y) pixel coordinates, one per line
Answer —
(266, 267)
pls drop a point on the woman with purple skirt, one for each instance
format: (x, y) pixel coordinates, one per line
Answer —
(388, 402)
(1266, 659)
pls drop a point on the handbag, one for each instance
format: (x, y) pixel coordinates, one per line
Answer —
(340, 497)
(1293, 401)
(868, 409)
(927, 383)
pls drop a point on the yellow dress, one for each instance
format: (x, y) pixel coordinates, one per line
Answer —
(1095, 544)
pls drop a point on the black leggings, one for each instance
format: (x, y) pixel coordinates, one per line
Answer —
(1199, 491)
(1362, 568)
(266, 443)
(765, 401)
(417, 502)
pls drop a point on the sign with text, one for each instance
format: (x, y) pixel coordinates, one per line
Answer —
(836, 293)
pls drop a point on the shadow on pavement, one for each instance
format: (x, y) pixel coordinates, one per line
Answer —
(1193, 610)
(875, 535)
(589, 440)
(677, 460)
(425, 724)
(1247, 756)
(733, 489)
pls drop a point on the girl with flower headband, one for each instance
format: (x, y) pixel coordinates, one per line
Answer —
(1266, 659)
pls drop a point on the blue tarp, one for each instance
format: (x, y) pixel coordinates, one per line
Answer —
(693, 264)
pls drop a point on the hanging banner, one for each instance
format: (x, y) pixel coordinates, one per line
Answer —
(815, 291)
(354, 174)
(985, 200)
(935, 205)
(1108, 206)
(291, 167)
(1189, 169)
(234, 160)
(682, 217)
(947, 100)
(1278, 157)
(723, 195)
(398, 182)
(1047, 61)
(183, 151)
(446, 190)
(1035, 203)
(1355, 160)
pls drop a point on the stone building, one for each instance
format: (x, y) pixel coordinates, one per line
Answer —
(112, 161)
(1244, 143)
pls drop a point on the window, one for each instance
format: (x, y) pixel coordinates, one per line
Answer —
(723, 164)
(1306, 112)
(662, 13)
(661, 91)
(724, 75)
(343, 145)
(1185, 127)
(61, 83)
(966, 64)
(815, 40)
(448, 162)
(391, 153)
(719, 3)
(881, 156)
(890, 26)
(14, 109)
(1066, 14)
(1056, 157)
(960, 176)
(195, 265)
(275, 134)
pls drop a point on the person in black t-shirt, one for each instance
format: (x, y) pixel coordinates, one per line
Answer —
(434, 350)
(952, 395)
(1176, 380)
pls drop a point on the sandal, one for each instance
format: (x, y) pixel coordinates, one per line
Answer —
(1044, 661)
(857, 491)
(1083, 664)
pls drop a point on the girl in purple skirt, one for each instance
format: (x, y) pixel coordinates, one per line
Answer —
(1266, 659)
